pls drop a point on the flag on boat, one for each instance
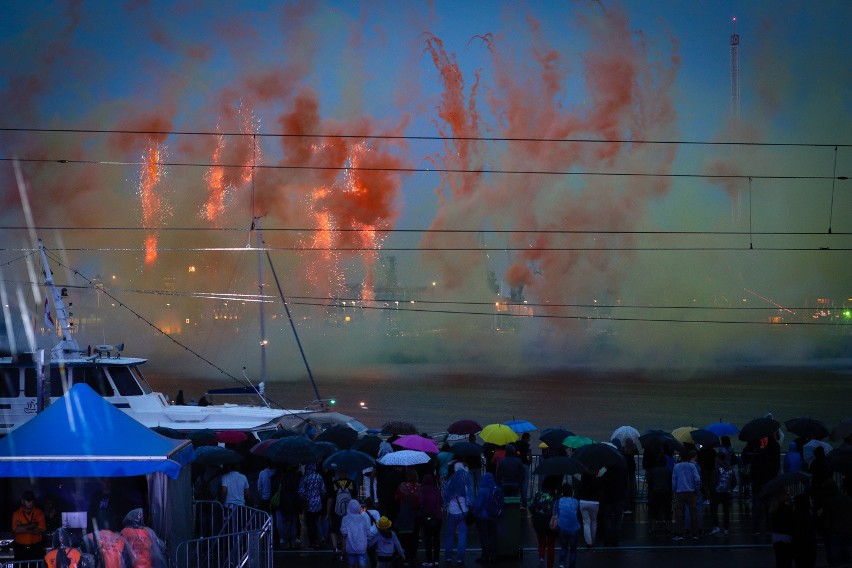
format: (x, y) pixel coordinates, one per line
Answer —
(48, 321)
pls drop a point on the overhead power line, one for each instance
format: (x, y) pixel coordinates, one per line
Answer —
(425, 231)
(397, 169)
(416, 137)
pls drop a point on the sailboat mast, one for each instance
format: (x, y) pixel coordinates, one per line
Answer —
(263, 341)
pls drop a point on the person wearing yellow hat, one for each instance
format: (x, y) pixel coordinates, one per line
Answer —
(387, 544)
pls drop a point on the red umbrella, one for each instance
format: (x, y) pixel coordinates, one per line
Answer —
(417, 442)
(464, 427)
(260, 448)
(231, 436)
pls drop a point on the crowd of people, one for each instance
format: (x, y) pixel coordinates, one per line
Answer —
(416, 512)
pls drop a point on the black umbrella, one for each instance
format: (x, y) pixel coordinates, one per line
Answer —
(341, 436)
(203, 438)
(598, 455)
(466, 449)
(553, 436)
(170, 433)
(653, 439)
(463, 427)
(292, 449)
(348, 461)
(559, 465)
(842, 430)
(840, 460)
(280, 433)
(807, 428)
(368, 444)
(759, 428)
(216, 455)
(782, 482)
(705, 438)
(324, 449)
(398, 428)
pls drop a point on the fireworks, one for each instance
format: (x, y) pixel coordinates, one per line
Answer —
(152, 203)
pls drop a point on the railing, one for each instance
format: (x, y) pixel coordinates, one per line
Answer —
(23, 564)
(228, 537)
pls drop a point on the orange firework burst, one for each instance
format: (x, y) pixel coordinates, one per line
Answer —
(223, 180)
(152, 206)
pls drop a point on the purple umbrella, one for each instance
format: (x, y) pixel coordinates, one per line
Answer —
(416, 442)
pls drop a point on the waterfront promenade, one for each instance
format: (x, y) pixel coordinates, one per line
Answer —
(636, 549)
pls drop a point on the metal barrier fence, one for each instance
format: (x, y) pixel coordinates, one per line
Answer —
(228, 537)
(24, 564)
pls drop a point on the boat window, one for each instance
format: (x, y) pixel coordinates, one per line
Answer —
(95, 378)
(124, 381)
(10, 386)
(58, 381)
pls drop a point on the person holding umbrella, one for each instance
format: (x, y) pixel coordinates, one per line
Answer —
(542, 507)
(311, 492)
(458, 496)
(686, 482)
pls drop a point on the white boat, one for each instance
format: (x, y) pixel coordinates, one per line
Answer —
(120, 381)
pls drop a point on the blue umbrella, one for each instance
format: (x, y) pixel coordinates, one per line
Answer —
(349, 461)
(723, 428)
(520, 426)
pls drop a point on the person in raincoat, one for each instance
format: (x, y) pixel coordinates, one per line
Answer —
(458, 496)
(65, 555)
(146, 548)
(357, 532)
(486, 523)
(108, 548)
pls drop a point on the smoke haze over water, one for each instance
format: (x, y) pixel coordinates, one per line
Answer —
(490, 128)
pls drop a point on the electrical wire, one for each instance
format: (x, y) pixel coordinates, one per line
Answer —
(398, 169)
(416, 137)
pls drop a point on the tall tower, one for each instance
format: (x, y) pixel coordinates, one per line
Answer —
(735, 71)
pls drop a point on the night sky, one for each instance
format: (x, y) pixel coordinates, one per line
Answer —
(428, 160)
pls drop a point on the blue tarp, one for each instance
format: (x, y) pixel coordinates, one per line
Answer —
(82, 435)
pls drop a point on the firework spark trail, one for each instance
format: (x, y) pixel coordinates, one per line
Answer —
(152, 205)
(222, 182)
(459, 118)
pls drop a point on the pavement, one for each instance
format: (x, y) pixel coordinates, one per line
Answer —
(636, 548)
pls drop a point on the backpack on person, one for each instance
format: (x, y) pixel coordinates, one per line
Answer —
(341, 501)
(542, 506)
(727, 481)
(494, 504)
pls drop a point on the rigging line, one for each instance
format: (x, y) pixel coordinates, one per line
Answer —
(416, 137)
(295, 333)
(150, 323)
(428, 231)
(336, 302)
(586, 318)
(831, 206)
(750, 237)
(137, 163)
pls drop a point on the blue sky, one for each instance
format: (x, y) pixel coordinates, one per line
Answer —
(619, 71)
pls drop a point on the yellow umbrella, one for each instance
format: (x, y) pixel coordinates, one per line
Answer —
(498, 434)
(684, 434)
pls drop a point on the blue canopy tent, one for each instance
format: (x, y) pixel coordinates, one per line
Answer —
(81, 435)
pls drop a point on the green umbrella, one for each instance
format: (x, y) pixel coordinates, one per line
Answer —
(575, 442)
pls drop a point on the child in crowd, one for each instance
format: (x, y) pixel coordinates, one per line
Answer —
(567, 513)
(356, 531)
(387, 544)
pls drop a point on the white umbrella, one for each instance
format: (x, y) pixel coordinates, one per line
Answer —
(405, 457)
(808, 450)
(624, 433)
